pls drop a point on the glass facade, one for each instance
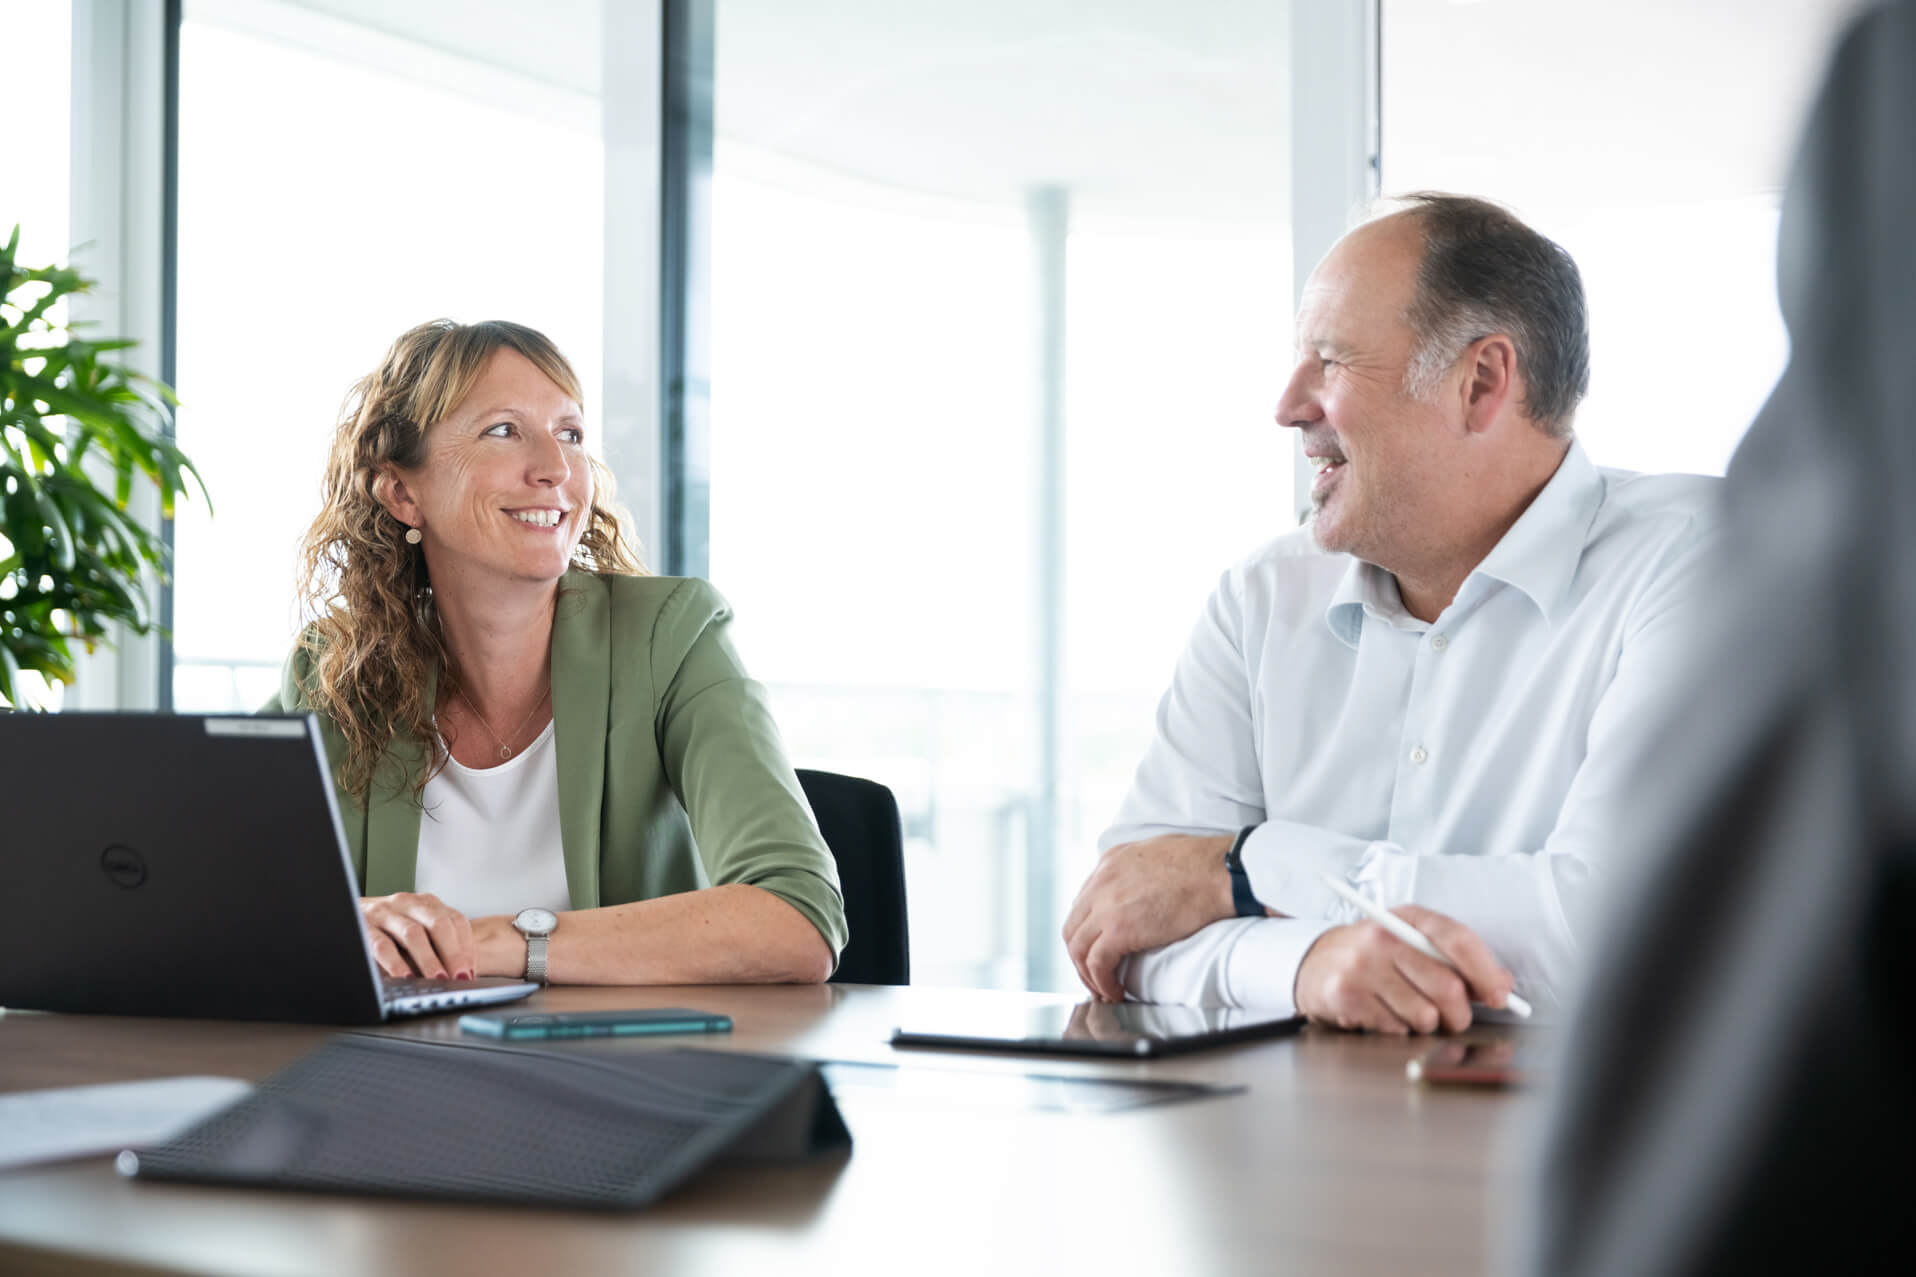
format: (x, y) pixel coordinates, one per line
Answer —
(999, 311)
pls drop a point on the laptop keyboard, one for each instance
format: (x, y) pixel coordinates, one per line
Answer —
(412, 995)
(416, 986)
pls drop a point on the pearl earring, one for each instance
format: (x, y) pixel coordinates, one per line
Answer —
(414, 536)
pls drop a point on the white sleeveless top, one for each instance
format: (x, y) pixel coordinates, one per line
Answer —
(489, 839)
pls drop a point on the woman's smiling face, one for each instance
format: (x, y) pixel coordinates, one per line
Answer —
(505, 487)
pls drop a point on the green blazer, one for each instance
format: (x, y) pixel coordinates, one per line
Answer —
(672, 776)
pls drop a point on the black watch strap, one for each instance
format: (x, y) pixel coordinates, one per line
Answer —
(1246, 904)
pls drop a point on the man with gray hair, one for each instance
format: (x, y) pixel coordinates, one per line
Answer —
(1431, 693)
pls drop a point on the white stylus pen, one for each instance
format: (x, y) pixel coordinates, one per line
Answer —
(1405, 932)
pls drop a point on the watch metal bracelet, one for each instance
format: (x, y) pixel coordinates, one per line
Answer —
(536, 959)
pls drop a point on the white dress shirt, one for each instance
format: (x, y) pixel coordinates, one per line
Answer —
(489, 837)
(1464, 765)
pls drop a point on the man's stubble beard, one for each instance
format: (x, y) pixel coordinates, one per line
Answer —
(1359, 542)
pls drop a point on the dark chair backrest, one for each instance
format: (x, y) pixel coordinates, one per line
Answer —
(859, 819)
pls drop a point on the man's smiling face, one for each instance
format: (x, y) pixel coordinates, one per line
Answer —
(1383, 489)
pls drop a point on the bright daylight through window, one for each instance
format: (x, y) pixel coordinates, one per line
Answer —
(1000, 308)
(1658, 162)
(339, 184)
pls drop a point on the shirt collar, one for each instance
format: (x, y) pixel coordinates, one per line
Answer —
(1537, 556)
(1364, 589)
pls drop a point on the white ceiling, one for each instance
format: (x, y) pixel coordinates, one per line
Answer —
(1140, 106)
(556, 41)
(1159, 108)
(1144, 105)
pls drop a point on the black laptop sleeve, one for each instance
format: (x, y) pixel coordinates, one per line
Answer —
(605, 1129)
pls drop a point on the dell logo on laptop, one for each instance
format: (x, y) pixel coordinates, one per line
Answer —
(125, 866)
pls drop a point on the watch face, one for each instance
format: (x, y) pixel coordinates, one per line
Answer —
(536, 922)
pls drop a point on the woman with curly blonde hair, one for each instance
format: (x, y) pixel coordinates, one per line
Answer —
(549, 762)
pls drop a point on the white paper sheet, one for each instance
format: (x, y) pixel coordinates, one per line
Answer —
(84, 1121)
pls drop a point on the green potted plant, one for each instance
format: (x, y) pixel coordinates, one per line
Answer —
(77, 432)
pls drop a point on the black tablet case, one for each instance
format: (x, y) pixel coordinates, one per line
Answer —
(568, 1126)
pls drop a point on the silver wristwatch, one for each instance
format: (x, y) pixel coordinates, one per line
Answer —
(535, 925)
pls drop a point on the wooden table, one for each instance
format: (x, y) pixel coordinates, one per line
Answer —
(1329, 1162)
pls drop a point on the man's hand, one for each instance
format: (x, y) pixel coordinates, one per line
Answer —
(1095, 1022)
(1362, 977)
(418, 933)
(1142, 895)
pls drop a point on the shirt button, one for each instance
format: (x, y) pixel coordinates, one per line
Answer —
(1420, 755)
(1439, 643)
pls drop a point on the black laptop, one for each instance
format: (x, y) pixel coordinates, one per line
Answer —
(188, 865)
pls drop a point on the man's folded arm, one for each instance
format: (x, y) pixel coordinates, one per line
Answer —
(1239, 962)
(1527, 906)
(1524, 905)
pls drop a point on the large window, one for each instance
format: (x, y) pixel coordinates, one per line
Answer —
(34, 180)
(1649, 137)
(999, 312)
(35, 176)
(339, 183)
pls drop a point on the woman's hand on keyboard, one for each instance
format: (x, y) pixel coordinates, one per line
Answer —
(416, 933)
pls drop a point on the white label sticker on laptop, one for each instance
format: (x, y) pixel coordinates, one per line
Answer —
(280, 727)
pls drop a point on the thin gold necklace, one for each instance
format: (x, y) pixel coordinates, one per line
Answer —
(505, 750)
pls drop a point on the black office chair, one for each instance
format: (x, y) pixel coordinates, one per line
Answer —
(859, 819)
